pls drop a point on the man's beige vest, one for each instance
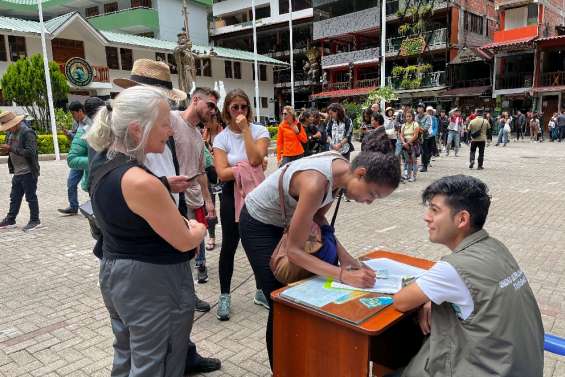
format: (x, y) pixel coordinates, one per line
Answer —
(504, 334)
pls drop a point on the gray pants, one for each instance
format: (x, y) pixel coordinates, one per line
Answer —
(151, 309)
(453, 137)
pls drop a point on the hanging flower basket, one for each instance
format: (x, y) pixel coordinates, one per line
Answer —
(412, 46)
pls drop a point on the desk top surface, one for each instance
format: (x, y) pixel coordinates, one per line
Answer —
(373, 325)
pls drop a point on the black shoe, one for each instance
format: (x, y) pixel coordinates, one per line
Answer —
(7, 223)
(203, 365)
(471, 165)
(32, 225)
(480, 168)
(423, 169)
(202, 274)
(201, 306)
(68, 211)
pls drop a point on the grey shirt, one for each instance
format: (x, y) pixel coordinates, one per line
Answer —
(19, 162)
(425, 122)
(263, 202)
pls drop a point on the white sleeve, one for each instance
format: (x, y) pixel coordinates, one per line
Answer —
(442, 284)
(260, 132)
(220, 141)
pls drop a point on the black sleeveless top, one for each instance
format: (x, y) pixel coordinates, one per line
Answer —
(127, 235)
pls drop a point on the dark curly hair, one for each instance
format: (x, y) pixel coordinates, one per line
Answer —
(377, 156)
(462, 193)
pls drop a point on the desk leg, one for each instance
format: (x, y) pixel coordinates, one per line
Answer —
(309, 346)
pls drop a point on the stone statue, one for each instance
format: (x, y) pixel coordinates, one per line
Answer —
(186, 63)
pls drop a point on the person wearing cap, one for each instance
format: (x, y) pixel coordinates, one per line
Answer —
(425, 122)
(454, 130)
(478, 129)
(23, 163)
(77, 158)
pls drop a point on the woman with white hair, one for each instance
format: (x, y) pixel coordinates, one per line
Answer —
(145, 280)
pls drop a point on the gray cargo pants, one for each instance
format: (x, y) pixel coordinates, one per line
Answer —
(151, 309)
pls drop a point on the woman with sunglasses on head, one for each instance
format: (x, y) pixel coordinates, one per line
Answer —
(241, 141)
(290, 138)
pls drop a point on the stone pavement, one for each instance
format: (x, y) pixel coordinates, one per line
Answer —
(53, 321)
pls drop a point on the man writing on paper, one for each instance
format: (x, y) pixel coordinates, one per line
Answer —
(476, 303)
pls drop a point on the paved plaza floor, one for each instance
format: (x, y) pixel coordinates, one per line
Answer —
(53, 321)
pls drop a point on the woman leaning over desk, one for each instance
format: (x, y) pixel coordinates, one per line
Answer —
(310, 185)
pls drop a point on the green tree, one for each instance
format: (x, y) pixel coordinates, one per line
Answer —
(24, 84)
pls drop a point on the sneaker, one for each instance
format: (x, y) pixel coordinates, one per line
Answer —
(68, 211)
(224, 305)
(423, 169)
(32, 225)
(411, 179)
(201, 306)
(7, 223)
(202, 274)
(202, 365)
(260, 299)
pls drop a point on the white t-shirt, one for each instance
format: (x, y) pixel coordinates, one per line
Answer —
(162, 165)
(233, 144)
(442, 283)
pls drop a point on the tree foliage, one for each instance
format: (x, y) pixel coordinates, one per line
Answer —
(24, 84)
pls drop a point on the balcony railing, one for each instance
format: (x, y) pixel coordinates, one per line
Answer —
(516, 81)
(100, 73)
(393, 6)
(435, 38)
(365, 83)
(429, 80)
(283, 79)
(348, 23)
(345, 58)
(553, 78)
(470, 83)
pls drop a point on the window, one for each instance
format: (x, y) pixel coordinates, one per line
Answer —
(112, 58)
(228, 69)
(110, 7)
(203, 67)
(473, 23)
(3, 55)
(263, 72)
(161, 57)
(127, 59)
(172, 63)
(296, 5)
(264, 102)
(532, 14)
(520, 17)
(141, 3)
(17, 47)
(91, 12)
(237, 70)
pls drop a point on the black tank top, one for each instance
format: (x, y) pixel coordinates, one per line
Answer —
(127, 235)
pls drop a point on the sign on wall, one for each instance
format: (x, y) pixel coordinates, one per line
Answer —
(78, 71)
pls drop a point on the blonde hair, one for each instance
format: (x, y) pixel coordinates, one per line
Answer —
(110, 129)
(290, 110)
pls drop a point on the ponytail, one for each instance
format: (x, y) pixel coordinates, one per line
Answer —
(100, 136)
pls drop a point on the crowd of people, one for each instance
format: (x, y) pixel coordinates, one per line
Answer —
(153, 170)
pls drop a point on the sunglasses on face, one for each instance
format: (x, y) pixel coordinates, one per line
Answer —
(211, 105)
(285, 114)
(238, 107)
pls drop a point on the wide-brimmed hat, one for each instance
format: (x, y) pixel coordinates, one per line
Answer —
(152, 73)
(8, 120)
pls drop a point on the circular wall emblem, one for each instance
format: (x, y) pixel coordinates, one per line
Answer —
(78, 71)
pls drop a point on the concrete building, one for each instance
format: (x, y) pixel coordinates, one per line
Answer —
(232, 27)
(111, 55)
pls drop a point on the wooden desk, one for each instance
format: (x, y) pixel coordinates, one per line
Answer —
(308, 343)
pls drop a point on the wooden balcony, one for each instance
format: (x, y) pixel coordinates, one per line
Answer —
(101, 73)
(552, 78)
(471, 83)
(516, 81)
(366, 83)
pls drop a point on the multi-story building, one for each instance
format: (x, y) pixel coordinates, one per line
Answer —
(524, 76)
(232, 27)
(111, 54)
(349, 36)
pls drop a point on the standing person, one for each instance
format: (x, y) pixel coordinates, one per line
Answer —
(425, 123)
(478, 129)
(340, 130)
(534, 127)
(211, 130)
(75, 175)
(366, 122)
(77, 158)
(310, 186)
(552, 128)
(504, 129)
(443, 128)
(491, 122)
(434, 129)
(239, 143)
(454, 129)
(23, 163)
(475, 304)
(561, 125)
(290, 138)
(520, 125)
(313, 134)
(145, 278)
(409, 137)
(319, 122)
(390, 126)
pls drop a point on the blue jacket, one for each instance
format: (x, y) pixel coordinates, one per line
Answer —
(435, 126)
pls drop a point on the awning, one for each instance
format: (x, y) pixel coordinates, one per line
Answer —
(505, 45)
(466, 92)
(545, 89)
(470, 55)
(343, 93)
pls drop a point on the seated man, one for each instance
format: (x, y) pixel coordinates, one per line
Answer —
(476, 303)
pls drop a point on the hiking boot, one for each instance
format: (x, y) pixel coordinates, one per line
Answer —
(260, 299)
(202, 274)
(224, 305)
(7, 223)
(201, 306)
(68, 211)
(32, 225)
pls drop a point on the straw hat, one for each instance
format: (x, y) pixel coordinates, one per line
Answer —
(8, 120)
(152, 73)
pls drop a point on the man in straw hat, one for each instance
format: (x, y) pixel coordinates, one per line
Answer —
(23, 163)
(184, 155)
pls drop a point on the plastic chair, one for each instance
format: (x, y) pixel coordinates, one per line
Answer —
(554, 344)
